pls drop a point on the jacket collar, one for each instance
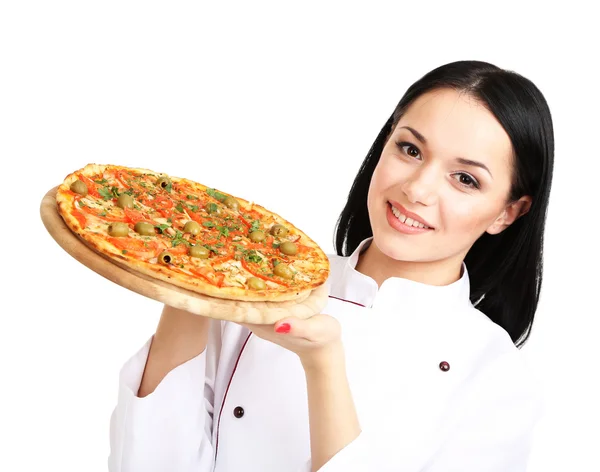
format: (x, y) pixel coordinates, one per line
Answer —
(353, 286)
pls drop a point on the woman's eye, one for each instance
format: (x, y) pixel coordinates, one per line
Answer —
(467, 180)
(410, 150)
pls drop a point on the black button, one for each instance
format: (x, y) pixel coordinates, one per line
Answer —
(238, 412)
(444, 366)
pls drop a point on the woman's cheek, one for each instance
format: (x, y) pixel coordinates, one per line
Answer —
(469, 219)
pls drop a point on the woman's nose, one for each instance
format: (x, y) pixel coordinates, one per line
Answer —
(422, 186)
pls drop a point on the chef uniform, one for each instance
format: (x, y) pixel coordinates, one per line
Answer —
(437, 385)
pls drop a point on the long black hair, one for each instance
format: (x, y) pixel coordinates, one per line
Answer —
(505, 270)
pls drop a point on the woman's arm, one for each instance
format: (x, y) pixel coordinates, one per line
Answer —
(180, 336)
(164, 414)
(332, 415)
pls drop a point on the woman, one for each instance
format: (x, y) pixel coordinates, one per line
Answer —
(414, 364)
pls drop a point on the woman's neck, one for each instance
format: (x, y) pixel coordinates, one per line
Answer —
(375, 264)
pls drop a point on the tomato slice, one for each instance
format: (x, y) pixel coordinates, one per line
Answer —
(254, 214)
(179, 250)
(218, 259)
(197, 218)
(80, 217)
(135, 216)
(130, 181)
(254, 271)
(90, 184)
(221, 259)
(121, 179)
(260, 246)
(133, 244)
(235, 233)
(215, 278)
(243, 220)
(95, 212)
(163, 204)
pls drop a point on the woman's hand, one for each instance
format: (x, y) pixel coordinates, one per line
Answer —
(313, 339)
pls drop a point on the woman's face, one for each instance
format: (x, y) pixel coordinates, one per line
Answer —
(447, 163)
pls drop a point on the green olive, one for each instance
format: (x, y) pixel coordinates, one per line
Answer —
(125, 201)
(279, 231)
(165, 257)
(118, 229)
(143, 228)
(288, 248)
(163, 182)
(283, 271)
(192, 227)
(231, 203)
(199, 251)
(256, 284)
(213, 208)
(257, 236)
(79, 187)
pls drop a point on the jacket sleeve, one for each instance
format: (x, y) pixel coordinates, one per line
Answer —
(493, 432)
(171, 428)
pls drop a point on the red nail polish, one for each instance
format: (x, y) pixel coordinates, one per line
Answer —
(283, 328)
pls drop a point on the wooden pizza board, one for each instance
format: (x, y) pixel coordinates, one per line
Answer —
(169, 294)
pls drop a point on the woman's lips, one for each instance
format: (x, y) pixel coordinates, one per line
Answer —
(395, 223)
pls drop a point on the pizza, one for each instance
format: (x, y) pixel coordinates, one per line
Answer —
(192, 236)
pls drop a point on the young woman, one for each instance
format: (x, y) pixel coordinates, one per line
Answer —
(414, 364)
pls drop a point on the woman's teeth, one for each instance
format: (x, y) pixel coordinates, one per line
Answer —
(406, 220)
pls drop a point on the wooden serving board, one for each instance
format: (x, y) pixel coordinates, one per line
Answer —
(169, 294)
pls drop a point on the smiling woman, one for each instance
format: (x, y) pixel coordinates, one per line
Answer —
(455, 156)
(414, 364)
(450, 192)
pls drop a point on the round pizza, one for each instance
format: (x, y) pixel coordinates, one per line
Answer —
(190, 235)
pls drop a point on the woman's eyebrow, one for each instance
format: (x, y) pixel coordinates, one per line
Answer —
(460, 160)
(418, 135)
(469, 162)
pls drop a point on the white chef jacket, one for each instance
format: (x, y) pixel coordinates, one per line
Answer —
(241, 405)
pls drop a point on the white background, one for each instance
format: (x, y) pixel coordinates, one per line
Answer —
(277, 104)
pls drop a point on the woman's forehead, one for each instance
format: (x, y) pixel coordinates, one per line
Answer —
(457, 124)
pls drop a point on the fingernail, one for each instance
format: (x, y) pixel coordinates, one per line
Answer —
(283, 328)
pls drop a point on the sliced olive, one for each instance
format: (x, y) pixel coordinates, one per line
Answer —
(288, 248)
(257, 236)
(231, 203)
(79, 187)
(283, 271)
(165, 257)
(279, 231)
(145, 229)
(118, 229)
(256, 284)
(200, 252)
(192, 227)
(163, 182)
(125, 201)
(213, 208)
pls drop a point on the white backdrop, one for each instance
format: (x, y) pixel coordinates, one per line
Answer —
(277, 104)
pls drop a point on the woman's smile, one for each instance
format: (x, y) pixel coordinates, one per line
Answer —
(400, 221)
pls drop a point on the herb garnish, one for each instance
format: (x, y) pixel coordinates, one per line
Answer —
(216, 194)
(161, 228)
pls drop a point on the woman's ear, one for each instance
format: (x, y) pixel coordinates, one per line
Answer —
(511, 213)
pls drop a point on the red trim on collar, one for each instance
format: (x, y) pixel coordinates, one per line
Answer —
(227, 391)
(347, 301)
